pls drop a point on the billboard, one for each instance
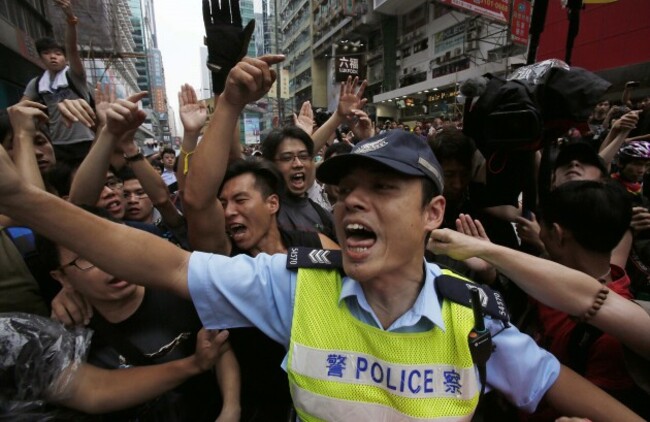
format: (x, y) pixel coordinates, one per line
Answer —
(347, 66)
(520, 23)
(498, 10)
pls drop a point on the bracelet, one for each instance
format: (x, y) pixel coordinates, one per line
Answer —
(73, 20)
(136, 157)
(601, 296)
(186, 160)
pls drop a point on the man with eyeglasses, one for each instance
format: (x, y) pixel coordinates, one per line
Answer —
(292, 151)
(134, 327)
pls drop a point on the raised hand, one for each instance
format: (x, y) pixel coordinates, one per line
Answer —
(66, 6)
(226, 40)
(349, 99)
(76, 110)
(466, 225)
(250, 79)
(26, 115)
(193, 113)
(361, 125)
(104, 96)
(305, 120)
(208, 343)
(123, 116)
(528, 231)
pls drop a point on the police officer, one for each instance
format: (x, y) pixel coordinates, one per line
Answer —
(376, 342)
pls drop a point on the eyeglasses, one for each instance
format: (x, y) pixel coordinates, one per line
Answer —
(114, 183)
(80, 263)
(289, 157)
(140, 194)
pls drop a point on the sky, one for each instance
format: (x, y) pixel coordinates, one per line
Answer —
(180, 35)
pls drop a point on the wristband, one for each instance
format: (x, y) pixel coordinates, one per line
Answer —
(137, 157)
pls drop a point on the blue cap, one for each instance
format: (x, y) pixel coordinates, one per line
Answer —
(401, 151)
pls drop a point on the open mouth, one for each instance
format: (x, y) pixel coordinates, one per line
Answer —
(237, 231)
(297, 179)
(359, 238)
(113, 206)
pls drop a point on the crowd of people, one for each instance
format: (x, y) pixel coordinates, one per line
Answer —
(338, 271)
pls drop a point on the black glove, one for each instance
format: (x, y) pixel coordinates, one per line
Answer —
(227, 42)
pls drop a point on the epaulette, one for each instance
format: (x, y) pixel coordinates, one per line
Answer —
(301, 257)
(458, 291)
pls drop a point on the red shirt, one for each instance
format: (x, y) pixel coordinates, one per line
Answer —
(605, 366)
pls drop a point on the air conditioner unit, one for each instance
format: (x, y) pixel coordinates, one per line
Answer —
(457, 52)
(472, 35)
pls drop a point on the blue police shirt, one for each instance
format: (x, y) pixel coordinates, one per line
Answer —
(243, 292)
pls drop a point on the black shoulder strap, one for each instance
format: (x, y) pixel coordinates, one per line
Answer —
(458, 291)
(89, 97)
(582, 337)
(117, 340)
(326, 218)
(301, 257)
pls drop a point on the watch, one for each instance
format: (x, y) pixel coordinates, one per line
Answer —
(136, 157)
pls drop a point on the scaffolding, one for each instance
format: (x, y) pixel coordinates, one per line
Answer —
(105, 38)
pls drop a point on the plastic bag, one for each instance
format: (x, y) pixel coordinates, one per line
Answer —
(39, 359)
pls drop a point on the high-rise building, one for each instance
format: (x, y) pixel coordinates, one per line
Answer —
(149, 65)
(295, 24)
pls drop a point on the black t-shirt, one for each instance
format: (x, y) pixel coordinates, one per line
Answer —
(265, 387)
(163, 329)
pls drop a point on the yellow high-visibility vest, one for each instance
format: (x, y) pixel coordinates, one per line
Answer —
(343, 369)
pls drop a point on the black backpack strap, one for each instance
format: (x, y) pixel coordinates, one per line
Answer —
(457, 290)
(116, 340)
(582, 337)
(301, 257)
(88, 97)
(326, 218)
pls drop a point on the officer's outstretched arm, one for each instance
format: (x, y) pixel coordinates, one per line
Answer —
(573, 395)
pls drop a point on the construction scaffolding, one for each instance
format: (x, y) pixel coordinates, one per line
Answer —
(105, 38)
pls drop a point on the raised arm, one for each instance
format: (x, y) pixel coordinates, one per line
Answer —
(247, 82)
(24, 117)
(152, 183)
(97, 390)
(194, 114)
(350, 98)
(126, 253)
(615, 138)
(89, 181)
(71, 49)
(554, 285)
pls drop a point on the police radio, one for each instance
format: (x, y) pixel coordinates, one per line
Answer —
(480, 339)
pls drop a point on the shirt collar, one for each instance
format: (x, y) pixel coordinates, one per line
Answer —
(427, 305)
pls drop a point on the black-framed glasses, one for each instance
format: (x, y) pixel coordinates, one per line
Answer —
(140, 194)
(289, 157)
(80, 263)
(113, 183)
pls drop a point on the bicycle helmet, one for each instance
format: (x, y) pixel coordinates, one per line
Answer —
(638, 150)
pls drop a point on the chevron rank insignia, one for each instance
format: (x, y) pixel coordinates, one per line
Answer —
(301, 257)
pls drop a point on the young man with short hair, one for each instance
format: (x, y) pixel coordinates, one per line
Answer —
(382, 315)
(64, 78)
